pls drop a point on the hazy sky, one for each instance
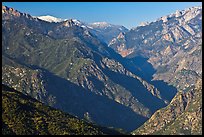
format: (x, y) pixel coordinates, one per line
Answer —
(128, 14)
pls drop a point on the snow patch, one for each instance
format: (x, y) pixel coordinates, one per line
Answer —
(49, 18)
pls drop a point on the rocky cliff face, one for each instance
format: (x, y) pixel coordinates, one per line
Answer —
(172, 45)
(182, 116)
(165, 31)
(119, 44)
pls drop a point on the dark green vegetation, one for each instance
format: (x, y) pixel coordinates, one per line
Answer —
(23, 115)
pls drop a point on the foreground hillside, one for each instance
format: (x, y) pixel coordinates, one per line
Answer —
(23, 115)
(182, 116)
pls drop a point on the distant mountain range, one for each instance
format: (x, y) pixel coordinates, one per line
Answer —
(104, 73)
(103, 30)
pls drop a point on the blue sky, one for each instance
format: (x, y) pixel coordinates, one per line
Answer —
(128, 14)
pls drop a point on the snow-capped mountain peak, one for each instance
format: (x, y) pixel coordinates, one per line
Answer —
(100, 24)
(77, 22)
(49, 18)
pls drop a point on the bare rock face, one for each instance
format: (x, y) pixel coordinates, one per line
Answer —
(165, 42)
(182, 116)
(68, 23)
(121, 36)
(171, 28)
(164, 19)
(11, 11)
(7, 10)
